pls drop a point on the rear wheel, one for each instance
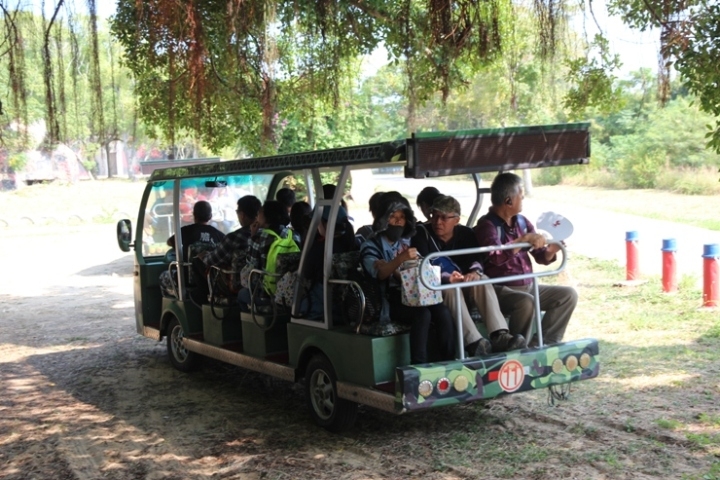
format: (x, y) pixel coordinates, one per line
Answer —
(180, 357)
(328, 411)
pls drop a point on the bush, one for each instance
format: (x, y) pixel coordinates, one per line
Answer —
(548, 176)
(641, 171)
(689, 181)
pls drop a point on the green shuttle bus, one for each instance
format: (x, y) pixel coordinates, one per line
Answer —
(340, 366)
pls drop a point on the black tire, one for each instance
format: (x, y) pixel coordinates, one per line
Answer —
(180, 357)
(327, 410)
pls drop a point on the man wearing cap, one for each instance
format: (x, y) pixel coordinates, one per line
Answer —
(445, 234)
(504, 225)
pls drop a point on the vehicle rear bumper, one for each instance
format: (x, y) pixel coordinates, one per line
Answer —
(454, 382)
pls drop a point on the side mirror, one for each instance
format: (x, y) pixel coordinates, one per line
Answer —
(124, 234)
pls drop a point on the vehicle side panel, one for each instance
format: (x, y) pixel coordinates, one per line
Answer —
(187, 313)
(359, 359)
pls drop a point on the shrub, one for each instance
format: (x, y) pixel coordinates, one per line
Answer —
(689, 181)
(641, 171)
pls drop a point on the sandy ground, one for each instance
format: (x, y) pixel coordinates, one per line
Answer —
(82, 396)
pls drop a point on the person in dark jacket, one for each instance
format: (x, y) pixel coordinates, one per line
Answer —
(381, 256)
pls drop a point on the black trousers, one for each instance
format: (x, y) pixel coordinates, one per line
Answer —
(420, 320)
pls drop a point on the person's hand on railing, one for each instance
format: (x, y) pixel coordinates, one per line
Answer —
(456, 277)
(471, 277)
(534, 239)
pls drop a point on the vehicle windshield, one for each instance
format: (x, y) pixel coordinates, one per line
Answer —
(222, 193)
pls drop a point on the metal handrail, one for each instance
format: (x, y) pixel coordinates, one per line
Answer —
(485, 281)
(261, 273)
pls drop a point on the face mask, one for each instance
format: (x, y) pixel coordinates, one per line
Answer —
(394, 232)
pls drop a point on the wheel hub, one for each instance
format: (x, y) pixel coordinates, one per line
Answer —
(323, 396)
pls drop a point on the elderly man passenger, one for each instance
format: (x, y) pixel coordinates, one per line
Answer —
(516, 300)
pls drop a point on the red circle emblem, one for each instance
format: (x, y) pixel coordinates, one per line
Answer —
(511, 375)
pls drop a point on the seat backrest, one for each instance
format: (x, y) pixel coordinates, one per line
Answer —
(345, 264)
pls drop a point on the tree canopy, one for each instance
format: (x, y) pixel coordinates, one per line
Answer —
(264, 75)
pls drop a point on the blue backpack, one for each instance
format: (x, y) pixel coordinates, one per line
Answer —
(498, 222)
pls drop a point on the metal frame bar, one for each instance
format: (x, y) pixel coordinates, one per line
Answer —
(485, 281)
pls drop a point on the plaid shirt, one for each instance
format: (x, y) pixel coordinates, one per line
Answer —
(231, 252)
(260, 245)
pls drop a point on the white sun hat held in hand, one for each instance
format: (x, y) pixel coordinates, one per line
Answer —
(554, 225)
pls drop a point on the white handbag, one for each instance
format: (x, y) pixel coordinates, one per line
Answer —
(414, 293)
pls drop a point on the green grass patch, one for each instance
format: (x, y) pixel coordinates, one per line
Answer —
(713, 420)
(704, 439)
(669, 423)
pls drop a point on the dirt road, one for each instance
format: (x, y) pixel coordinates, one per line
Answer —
(83, 397)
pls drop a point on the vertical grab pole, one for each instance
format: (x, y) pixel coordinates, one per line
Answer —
(669, 266)
(631, 249)
(458, 324)
(538, 318)
(711, 275)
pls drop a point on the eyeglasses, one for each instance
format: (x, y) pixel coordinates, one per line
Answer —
(442, 217)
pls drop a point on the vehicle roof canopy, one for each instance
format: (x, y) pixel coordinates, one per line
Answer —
(426, 154)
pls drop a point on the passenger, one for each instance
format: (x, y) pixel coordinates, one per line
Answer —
(364, 232)
(425, 199)
(329, 193)
(381, 256)
(197, 234)
(300, 216)
(342, 243)
(516, 299)
(286, 196)
(272, 216)
(445, 233)
(231, 252)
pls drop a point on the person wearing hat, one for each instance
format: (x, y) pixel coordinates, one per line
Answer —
(381, 256)
(516, 298)
(198, 235)
(445, 234)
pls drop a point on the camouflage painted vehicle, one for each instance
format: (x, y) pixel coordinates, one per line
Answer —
(340, 367)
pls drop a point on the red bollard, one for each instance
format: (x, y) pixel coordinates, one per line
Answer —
(633, 260)
(669, 266)
(711, 275)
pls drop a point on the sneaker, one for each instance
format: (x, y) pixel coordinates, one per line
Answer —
(479, 348)
(502, 341)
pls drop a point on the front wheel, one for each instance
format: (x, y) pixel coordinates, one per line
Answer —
(180, 357)
(328, 411)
